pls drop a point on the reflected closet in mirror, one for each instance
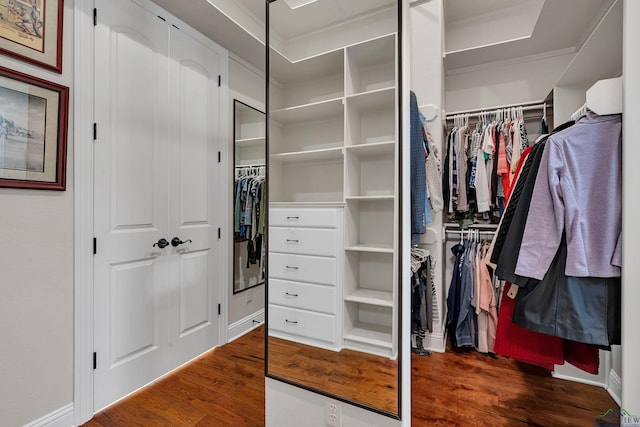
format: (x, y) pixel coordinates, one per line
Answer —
(249, 197)
(334, 207)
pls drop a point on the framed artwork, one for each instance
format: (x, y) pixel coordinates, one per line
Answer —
(31, 30)
(33, 132)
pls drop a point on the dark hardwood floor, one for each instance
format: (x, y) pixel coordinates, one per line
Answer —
(225, 387)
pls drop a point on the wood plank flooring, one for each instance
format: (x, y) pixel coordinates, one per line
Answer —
(368, 379)
(225, 387)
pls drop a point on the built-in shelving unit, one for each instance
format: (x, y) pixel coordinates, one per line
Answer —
(334, 139)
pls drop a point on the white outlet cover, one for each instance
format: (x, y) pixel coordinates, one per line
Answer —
(332, 414)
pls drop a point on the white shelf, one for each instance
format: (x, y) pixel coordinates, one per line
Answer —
(371, 297)
(373, 149)
(381, 249)
(369, 198)
(314, 111)
(371, 334)
(375, 99)
(250, 142)
(311, 155)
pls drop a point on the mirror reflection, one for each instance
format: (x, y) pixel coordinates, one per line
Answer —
(249, 204)
(333, 287)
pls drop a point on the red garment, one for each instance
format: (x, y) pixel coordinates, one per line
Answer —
(539, 349)
(509, 188)
(523, 344)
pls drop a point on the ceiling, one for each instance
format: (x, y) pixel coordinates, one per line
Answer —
(476, 32)
(488, 31)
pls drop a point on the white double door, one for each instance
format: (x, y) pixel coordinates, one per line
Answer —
(156, 167)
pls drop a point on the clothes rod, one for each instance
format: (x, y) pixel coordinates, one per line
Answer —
(251, 166)
(524, 107)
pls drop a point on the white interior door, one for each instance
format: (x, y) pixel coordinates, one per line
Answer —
(155, 178)
(193, 132)
(131, 200)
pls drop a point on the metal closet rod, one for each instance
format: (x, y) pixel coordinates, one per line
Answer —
(259, 165)
(525, 107)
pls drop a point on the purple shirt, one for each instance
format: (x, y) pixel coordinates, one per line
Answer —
(578, 189)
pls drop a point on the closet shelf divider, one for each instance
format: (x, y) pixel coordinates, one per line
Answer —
(309, 155)
(371, 297)
(313, 111)
(383, 249)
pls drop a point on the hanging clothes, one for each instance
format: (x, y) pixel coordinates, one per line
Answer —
(422, 293)
(420, 215)
(582, 310)
(472, 301)
(249, 212)
(579, 190)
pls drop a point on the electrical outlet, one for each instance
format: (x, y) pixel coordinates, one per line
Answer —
(332, 414)
(249, 296)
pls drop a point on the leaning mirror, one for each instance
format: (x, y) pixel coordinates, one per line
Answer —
(249, 197)
(334, 208)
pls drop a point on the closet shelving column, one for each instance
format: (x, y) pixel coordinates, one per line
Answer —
(307, 140)
(249, 137)
(370, 194)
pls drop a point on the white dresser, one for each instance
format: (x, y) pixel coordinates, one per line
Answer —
(305, 271)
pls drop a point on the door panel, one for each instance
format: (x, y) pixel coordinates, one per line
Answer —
(195, 310)
(133, 311)
(131, 199)
(193, 105)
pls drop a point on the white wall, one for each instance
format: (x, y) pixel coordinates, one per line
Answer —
(247, 85)
(36, 282)
(504, 83)
(287, 405)
(630, 205)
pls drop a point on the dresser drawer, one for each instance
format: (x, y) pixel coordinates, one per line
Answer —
(301, 268)
(306, 241)
(304, 324)
(304, 296)
(303, 217)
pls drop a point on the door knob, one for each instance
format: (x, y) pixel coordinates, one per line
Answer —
(162, 243)
(175, 242)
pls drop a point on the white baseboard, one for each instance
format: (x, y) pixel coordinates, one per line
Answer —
(555, 374)
(62, 417)
(242, 326)
(615, 386)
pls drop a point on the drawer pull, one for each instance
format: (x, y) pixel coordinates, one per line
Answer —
(293, 322)
(292, 268)
(293, 217)
(291, 295)
(292, 241)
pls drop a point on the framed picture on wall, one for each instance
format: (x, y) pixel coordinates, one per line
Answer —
(31, 30)
(33, 132)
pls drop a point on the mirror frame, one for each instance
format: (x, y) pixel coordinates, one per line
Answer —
(401, 225)
(266, 147)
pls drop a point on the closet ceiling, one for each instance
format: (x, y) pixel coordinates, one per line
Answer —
(489, 31)
(477, 32)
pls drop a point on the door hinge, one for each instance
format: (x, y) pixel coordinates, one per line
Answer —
(95, 360)
(95, 131)
(219, 156)
(219, 309)
(95, 246)
(219, 80)
(219, 232)
(95, 16)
